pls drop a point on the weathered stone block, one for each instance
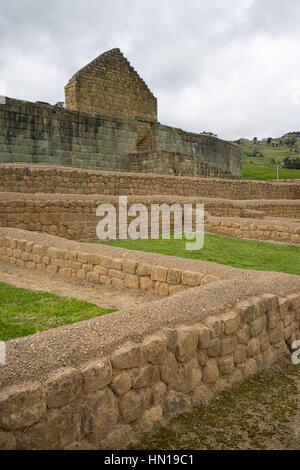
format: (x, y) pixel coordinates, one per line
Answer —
(226, 365)
(60, 428)
(96, 375)
(175, 403)
(240, 354)
(146, 283)
(257, 326)
(131, 282)
(150, 420)
(174, 276)
(163, 289)
(186, 343)
(215, 325)
(121, 383)
(214, 349)
(63, 387)
(191, 278)
(144, 270)
(204, 337)
(117, 264)
(246, 310)
(244, 334)
(253, 347)
(159, 390)
(232, 322)
(159, 273)
(188, 377)
(128, 356)
(208, 280)
(129, 266)
(144, 376)
(235, 377)
(249, 368)
(22, 406)
(155, 349)
(228, 345)
(99, 415)
(169, 369)
(132, 405)
(93, 277)
(211, 371)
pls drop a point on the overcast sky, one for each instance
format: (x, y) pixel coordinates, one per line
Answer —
(227, 66)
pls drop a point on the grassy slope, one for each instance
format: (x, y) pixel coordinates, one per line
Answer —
(260, 168)
(23, 312)
(238, 253)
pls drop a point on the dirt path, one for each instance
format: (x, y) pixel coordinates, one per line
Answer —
(261, 413)
(103, 296)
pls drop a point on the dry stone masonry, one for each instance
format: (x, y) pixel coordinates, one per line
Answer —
(104, 382)
(110, 121)
(109, 403)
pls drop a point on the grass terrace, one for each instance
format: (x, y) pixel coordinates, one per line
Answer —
(23, 312)
(243, 254)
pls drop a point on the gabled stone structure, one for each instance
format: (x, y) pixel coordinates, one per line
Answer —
(109, 85)
(110, 123)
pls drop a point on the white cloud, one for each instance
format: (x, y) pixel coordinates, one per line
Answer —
(229, 67)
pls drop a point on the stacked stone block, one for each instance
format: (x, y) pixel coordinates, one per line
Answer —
(45, 179)
(109, 403)
(109, 85)
(95, 269)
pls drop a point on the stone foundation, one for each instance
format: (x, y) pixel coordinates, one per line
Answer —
(43, 179)
(74, 217)
(108, 403)
(98, 268)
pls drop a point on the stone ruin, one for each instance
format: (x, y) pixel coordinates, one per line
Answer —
(109, 123)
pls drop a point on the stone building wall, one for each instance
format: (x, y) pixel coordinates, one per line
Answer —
(175, 163)
(109, 85)
(110, 113)
(50, 135)
(210, 150)
(47, 179)
(75, 218)
(85, 396)
(37, 133)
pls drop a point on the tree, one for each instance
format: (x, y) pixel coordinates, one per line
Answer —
(269, 140)
(272, 161)
(292, 163)
(255, 140)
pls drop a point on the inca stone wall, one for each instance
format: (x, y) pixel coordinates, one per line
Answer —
(46, 179)
(101, 384)
(175, 163)
(110, 114)
(109, 85)
(75, 218)
(37, 133)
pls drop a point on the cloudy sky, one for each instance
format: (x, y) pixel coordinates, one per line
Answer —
(227, 66)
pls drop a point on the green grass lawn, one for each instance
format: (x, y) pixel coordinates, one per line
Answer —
(23, 312)
(238, 253)
(260, 172)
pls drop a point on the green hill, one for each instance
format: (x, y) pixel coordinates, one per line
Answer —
(261, 157)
